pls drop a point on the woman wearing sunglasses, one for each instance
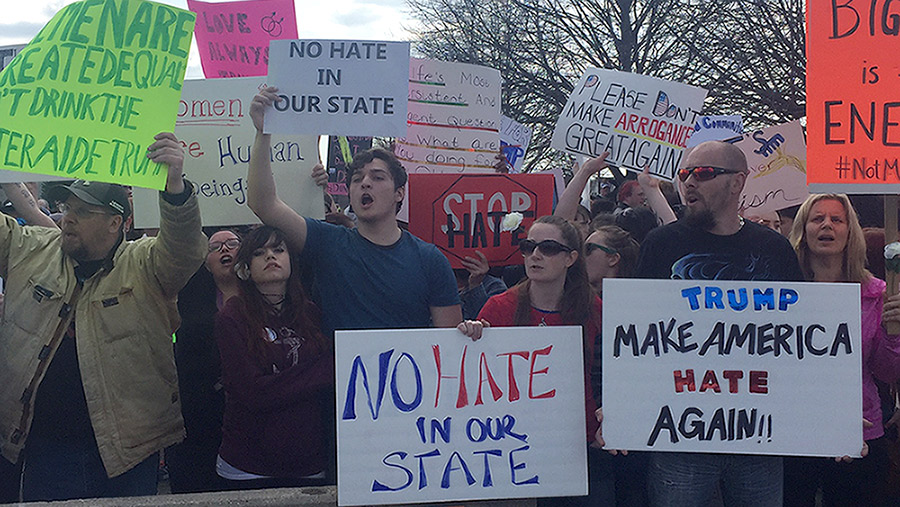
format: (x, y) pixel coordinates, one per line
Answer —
(555, 292)
(831, 247)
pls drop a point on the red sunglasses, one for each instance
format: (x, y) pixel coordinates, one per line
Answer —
(703, 173)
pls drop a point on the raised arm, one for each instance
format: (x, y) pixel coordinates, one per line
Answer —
(568, 201)
(180, 247)
(262, 197)
(26, 205)
(655, 198)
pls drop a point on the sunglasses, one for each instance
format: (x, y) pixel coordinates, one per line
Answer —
(590, 247)
(548, 247)
(231, 244)
(703, 173)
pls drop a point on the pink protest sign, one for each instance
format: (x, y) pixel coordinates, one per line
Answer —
(233, 37)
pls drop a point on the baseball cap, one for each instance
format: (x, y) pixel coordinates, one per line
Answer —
(110, 196)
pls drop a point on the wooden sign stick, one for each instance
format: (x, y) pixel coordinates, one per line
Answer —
(890, 236)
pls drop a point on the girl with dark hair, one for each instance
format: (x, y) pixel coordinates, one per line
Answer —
(556, 292)
(275, 365)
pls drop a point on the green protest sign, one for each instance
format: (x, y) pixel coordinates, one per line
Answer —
(86, 96)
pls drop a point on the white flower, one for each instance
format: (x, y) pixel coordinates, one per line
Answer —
(892, 250)
(511, 221)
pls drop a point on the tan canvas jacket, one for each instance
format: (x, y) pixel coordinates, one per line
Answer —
(125, 316)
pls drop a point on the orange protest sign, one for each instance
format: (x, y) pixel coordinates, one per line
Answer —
(853, 96)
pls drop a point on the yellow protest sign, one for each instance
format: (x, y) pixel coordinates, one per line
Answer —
(86, 96)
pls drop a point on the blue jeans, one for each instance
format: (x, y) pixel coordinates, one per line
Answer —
(63, 470)
(684, 480)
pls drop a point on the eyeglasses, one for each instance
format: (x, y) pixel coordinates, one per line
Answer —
(80, 212)
(703, 173)
(590, 247)
(548, 247)
(231, 244)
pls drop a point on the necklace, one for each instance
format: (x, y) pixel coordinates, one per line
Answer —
(270, 296)
(741, 219)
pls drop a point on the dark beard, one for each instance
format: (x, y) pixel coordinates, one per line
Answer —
(703, 219)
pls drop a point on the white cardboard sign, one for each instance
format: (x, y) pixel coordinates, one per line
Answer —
(427, 415)
(217, 133)
(453, 118)
(338, 87)
(514, 141)
(640, 120)
(776, 157)
(716, 128)
(732, 367)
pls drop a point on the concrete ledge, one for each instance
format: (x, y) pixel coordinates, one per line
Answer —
(288, 497)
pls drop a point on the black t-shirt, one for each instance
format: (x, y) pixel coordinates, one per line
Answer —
(60, 409)
(680, 252)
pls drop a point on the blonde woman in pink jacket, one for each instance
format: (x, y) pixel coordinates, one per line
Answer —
(831, 248)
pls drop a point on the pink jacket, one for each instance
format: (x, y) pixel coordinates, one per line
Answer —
(881, 355)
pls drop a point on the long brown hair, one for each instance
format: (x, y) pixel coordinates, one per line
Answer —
(575, 306)
(256, 308)
(853, 265)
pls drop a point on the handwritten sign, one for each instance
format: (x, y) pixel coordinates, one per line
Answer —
(338, 87)
(640, 120)
(732, 367)
(233, 37)
(341, 150)
(454, 118)
(7, 53)
(514, 141)
(461, 213)
(853, 123)
(777, 160)
(716, 128)
(86, 96)
(427, 415)
(216, 131)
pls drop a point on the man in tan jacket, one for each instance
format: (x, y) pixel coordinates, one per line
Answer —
(89, 391)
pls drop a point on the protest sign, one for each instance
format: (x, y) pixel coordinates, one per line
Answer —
(776, 157)
(853, 121)
(514, 141)
(7, 53)
(454, 118)
(462, 213)
(86, 96)
(216, 131)
(330, 87)
(640, 120)
(341, 150)
(716, 128)
(233, 37)
(503, 417)
(732, 367)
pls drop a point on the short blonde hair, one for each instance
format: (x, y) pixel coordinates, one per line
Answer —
(853, 267)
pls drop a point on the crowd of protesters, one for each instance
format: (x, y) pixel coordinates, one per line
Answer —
(93, 389)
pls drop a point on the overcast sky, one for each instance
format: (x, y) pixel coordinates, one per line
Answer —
(316, 19)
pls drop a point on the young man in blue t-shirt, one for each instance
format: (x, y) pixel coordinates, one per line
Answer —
(374, 276)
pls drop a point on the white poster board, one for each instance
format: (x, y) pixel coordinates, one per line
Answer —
(338, 87)
(714, 366)
(640, 120)
(514, 141)
(716, 128)
(776, 157)
(453, 118)
(427, 415)
(217, 133)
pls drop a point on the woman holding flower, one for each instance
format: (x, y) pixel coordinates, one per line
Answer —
(831, 248)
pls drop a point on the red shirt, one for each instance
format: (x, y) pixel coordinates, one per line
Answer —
(500, 311)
